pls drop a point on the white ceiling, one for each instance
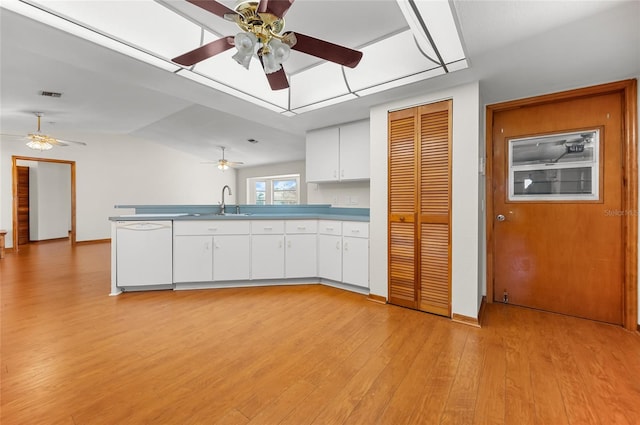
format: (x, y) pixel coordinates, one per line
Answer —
(514, 48)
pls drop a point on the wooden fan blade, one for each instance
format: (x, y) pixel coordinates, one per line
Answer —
(213, 6)
(204, 52)
(275, 7)
(326, 50)
(278, 80)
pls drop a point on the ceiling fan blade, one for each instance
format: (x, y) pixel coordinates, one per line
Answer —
(326, 50)
(234, 162)
(69, 142)
(213, 6)
(204, 52)
(275, 7)
(278, 80)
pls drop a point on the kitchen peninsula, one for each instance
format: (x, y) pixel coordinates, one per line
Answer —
(196, 247)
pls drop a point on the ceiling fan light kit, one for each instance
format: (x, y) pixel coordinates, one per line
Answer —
(262, 25)
(40, 141)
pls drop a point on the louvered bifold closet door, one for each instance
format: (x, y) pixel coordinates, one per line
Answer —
(402, 208)
(435, 206)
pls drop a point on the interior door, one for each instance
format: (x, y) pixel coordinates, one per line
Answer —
(558, 219)
(23, 205)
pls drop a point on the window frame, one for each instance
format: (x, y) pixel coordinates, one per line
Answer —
(269, 189)
(595, 164)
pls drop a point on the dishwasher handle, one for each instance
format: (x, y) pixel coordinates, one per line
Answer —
(143, 225)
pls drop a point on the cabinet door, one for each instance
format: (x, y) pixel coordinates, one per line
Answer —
(192, 259)
(354, 151)
(323, 147)
(301, 256)
(355, 261)
(267, 256)
(231, 257)
(330, 257)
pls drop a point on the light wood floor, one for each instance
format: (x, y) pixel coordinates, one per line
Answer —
(289, 355)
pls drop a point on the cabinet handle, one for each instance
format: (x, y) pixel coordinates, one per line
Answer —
(335, 173)
(338, 245)
(213, 229)
(216, 245)
(288, 244)
(268, 228)
(302, 227)
(279, 244)
(355, 231)
(329, 228)
(346, 246)
(342, 173)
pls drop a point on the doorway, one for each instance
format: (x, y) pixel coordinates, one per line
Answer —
(19, 215)
(561, 173)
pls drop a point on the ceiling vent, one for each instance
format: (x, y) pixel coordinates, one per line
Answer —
(50, 93)
(254, 141)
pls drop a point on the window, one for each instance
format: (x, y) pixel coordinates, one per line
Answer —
(560, 167)
(274, 190)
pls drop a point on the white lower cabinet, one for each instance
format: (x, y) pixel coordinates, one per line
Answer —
(267, 256)
(355, 261)
(209, 251)
(267, 249)
(330, 257)
(192, 258)
(301, 252)
(343, 252)
(205, 251)
(231, 257)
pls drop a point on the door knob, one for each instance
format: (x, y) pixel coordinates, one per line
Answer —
(500, 217)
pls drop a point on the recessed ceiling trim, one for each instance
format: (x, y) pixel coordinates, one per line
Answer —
(66, 24)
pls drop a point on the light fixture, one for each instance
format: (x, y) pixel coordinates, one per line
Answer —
(223, 166)
(261, 36)
(39, 141)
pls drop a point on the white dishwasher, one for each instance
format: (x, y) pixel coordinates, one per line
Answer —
(144, 254)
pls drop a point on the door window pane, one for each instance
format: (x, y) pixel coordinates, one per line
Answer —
(559, 167)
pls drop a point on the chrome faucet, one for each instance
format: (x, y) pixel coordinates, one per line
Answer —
(222, 203)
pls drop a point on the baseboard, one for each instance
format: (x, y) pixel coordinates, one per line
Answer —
(465, 320)
(92, 241)
(483, 305)
(377, 298)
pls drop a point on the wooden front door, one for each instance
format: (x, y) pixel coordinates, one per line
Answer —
(557, 207)
(23, 205)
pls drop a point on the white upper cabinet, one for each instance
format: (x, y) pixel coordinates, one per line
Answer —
(323, 155)
(354, 151)
(338, 153)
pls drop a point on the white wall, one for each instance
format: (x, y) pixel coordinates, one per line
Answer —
(465, 200)
(340, 194)
(283, 168)
(120, 170)
(49, 200)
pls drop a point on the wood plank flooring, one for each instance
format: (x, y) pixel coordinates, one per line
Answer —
(289, 355)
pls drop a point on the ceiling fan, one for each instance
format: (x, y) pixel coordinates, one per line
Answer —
(262, 25)
(41, 141)
(223, 163)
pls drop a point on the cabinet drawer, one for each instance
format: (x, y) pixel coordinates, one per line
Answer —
(356, 229)
(329, 227)
(211, 227)
(301, 226)
(267, 227)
